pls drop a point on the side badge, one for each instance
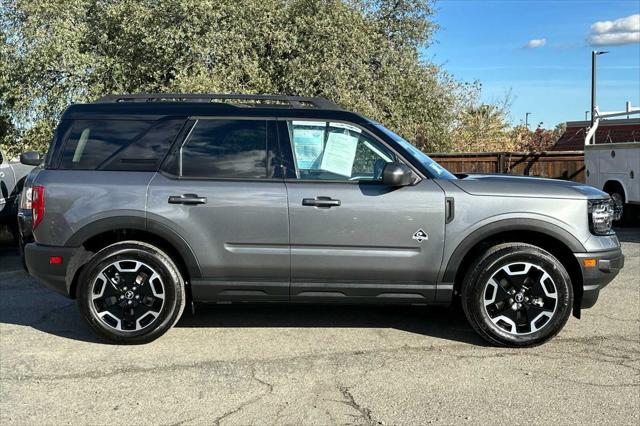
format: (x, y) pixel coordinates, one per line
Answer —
(420, 235)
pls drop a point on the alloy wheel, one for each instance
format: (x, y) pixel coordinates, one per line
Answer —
(127, 295)
(618, 205)
(520, 298)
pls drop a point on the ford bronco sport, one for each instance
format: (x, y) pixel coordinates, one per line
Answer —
(145, 202)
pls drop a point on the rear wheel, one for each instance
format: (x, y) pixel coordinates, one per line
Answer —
(131, 292)
(517, 295)
(623, 213)
(620, 213)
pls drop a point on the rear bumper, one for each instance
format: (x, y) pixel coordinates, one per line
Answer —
(25, 236)
(607, 265)
(57, 277)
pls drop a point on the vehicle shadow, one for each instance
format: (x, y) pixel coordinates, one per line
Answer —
(441, 322)
(26, 302)
(628, 235)
(46, 311)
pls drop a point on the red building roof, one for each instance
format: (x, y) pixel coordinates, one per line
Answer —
(624, 130)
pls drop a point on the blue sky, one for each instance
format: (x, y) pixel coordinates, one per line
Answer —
(485, 41)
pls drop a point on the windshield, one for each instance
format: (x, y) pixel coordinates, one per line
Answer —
(435, 169)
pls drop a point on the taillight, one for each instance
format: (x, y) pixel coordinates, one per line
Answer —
(25, 199)
(37, 204)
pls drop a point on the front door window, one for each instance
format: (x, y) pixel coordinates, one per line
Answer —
(336, 151)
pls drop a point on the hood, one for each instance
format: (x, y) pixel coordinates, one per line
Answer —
(525, 186)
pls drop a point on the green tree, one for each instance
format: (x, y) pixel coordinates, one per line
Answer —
(482, 127)
(363, 54)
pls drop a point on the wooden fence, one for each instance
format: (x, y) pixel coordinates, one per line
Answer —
(568, 165)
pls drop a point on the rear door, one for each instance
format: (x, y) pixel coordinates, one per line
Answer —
(221, 192)
(352, 238)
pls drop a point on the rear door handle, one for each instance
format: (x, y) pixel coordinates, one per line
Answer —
(188, 199)
(326, 202)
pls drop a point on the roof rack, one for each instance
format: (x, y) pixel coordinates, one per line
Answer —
(240, 100)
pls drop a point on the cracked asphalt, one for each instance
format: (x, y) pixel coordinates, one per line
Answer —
(316, 364)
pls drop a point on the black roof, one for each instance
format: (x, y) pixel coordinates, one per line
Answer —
(155, 106)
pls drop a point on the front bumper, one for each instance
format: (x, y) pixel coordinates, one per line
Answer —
(607, 265)
(58, 277)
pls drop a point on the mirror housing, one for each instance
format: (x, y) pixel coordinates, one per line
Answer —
(397, 174)
(30, 158)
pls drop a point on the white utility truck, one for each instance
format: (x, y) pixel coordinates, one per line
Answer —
(615, 168)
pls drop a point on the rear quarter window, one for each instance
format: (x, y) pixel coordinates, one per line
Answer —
(124, 145)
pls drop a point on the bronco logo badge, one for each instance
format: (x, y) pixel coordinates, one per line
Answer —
(420, 236)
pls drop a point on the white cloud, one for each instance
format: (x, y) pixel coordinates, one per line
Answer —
(536, 42)
(621, 31)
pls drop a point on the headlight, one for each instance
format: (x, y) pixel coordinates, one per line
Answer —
(600, 217)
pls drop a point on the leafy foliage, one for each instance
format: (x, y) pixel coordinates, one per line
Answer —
(363, 54)
(485, 128)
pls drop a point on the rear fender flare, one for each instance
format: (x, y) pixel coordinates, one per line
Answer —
(140, 224)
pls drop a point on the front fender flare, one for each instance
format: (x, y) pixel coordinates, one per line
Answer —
(505, 225)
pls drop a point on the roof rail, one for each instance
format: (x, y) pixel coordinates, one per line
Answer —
(241, 100)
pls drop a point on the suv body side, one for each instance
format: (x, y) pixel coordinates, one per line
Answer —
(255, 240)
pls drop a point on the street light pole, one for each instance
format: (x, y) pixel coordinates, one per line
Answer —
(526, 119)
(594, 55)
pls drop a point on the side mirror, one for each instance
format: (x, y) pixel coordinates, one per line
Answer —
(30, 158)
(397, 174)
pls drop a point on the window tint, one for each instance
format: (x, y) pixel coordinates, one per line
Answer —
(226, 149)
(336, 151)
(147, 151)
(93, 142)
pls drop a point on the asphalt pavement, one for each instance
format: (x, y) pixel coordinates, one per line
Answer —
(275, 364)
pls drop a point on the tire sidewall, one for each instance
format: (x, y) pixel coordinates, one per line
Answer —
(492, 263)
(173, 288)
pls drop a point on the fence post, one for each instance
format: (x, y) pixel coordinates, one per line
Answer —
(501, 162)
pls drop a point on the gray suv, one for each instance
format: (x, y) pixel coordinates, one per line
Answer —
(147, 202)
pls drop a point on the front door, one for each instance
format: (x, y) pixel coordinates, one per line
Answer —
(351, 236)
(222, 196)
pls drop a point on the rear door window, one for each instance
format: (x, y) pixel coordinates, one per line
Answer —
(227, 149)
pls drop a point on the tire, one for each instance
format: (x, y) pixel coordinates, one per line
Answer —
(524, 275)
(131, 293)
(621, 211)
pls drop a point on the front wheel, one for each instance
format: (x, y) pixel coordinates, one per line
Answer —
(131, 292)
(517, 295)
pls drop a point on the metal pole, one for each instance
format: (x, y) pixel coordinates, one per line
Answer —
(586, 115)
(526, 119)
(594, 54)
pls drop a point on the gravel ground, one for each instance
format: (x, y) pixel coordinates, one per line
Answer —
(316, 364)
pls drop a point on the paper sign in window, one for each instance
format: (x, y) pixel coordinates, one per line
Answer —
(339, 154)
(308, 146)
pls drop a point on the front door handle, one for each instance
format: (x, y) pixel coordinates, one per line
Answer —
(326, 202)
(188, 199)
